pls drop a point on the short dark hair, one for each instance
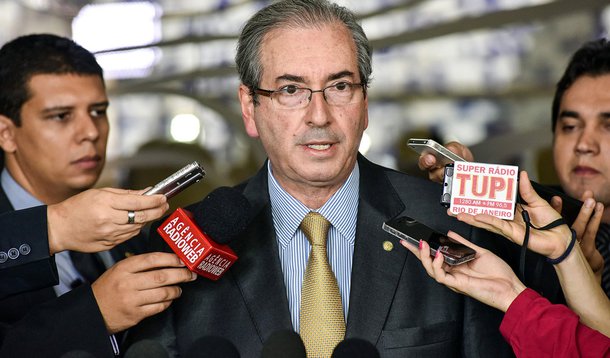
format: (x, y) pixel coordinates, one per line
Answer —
(296, 13)
(30, 55)
(591, 59)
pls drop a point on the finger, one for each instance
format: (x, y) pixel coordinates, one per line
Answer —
(580, 225)
(437, 267)
(126, 233)
(126, 191)
(425, 258)
(162, 277)
(409, 246)
(154, 308)
(461, 150)
(158, 295)
(587, 194)
(437, 175)
(138, 202)
(148, 215)
(526, 190)
(556, 203)
(116, 190)
(487, 222)
(588, 238)
(149, 261)
(426, 162)
(457, 237)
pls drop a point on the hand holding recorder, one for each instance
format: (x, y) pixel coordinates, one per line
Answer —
(578, 281)
(144, 285)
(585, 219)
(486, 278)
(551, 243)
(410, 231)
(433, 156)
(97, 219)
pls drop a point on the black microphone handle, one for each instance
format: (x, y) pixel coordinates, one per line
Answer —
(355, 348)
(284, 343)
(146, 348)
(212, 347)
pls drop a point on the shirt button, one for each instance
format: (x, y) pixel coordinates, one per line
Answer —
(3, 257)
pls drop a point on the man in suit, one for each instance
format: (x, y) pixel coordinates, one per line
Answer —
(53, 132)
(304, 68)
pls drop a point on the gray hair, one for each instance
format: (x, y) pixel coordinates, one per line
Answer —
(295, 13)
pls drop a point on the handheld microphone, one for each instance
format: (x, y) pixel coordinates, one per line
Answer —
(285, 343)
(200, 240)
(146, 348)
(212, 347)
(355, 348)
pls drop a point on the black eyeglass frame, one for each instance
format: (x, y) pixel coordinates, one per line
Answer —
(269, 93)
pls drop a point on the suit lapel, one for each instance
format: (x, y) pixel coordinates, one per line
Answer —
(5, 204)
(375, 271)
(259, 273)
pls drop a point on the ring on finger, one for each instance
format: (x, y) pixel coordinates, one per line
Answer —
(131, 217)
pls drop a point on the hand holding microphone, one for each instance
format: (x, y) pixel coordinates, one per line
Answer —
(138, 287)
(200, 239)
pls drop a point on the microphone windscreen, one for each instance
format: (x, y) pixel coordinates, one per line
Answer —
(223, 214)
(285, 343)
(146, 348)
(212, 347)
(355, 348)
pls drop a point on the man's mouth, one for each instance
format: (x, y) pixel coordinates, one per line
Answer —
(319, 146)
(584, 170)
(88, 161)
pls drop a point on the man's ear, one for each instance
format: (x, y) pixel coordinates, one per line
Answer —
(7, 134)
(246, 102)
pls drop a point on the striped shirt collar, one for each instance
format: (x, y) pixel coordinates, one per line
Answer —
(340, 210)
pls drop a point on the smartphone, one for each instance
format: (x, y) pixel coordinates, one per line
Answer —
(412, 231)
(180, 180)
(428, 146)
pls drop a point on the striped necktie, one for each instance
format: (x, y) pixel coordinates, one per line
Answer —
(321, 315)
(602, 242)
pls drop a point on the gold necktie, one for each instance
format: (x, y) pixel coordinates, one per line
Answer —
(322, 322)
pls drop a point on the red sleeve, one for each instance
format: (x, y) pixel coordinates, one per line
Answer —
(536, 328)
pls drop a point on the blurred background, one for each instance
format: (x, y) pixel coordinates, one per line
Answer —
(478, 71)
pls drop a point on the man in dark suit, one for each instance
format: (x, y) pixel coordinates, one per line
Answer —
(304, 68)
(53, 132)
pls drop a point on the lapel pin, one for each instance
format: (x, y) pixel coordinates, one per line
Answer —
(388, 246)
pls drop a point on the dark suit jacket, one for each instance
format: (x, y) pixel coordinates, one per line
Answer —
(25, 263)
(393, 302)
(36, 322)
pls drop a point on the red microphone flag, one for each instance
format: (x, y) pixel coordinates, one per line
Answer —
(197, 250)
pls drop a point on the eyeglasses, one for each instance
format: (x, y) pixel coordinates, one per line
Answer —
(294, 97)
